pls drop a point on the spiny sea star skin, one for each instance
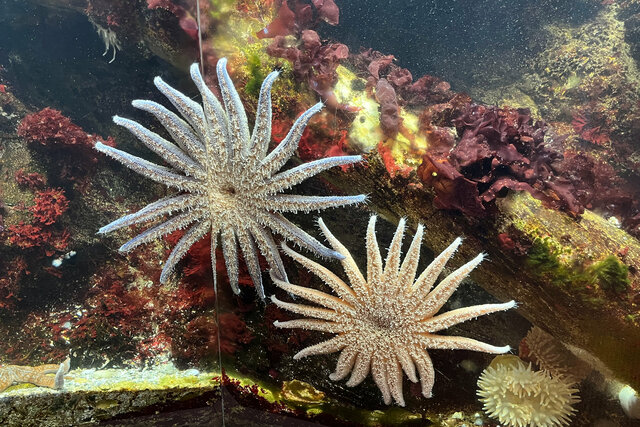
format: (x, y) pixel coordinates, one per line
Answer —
(386, 323)
(227, 182)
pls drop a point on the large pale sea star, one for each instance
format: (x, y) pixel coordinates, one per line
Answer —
(386, 323)
(227, 182)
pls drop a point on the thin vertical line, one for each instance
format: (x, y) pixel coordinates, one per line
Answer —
(199, 37)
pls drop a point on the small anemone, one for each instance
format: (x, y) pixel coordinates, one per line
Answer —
(518, 396)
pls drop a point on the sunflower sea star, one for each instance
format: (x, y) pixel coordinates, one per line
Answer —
(227, 182)
(386, 323)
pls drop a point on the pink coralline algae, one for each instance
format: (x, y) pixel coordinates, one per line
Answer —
(499, 149)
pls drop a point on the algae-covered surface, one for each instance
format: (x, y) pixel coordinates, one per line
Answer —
(93, 395)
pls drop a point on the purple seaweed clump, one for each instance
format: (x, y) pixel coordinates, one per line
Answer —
(499, 149)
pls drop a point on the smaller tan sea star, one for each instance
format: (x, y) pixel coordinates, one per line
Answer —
(38, 375)
(386, 323)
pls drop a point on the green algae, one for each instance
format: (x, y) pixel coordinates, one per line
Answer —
(256, 75)
(609, 274)
(544, 261)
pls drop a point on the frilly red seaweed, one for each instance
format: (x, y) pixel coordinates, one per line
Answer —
(389, 117)
(295, 15)
(313, 62)
(67, 147)
(499, 149)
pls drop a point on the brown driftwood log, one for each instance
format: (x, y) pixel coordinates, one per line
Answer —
(579, 279)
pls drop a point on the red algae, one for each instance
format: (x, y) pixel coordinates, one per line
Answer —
(50, 205)
(499, 149)
(302, 15)
(314, 63)
(32, 180)
(50, 127)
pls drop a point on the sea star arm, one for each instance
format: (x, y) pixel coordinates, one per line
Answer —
(409, 267)
(392, 263)
(179, 130)
(454, 317)
(327, 276)
(261, 135)
(360, 369)
(313, 295)
(379, 374)
(448, 342)
(425, 369)
(423, 285)
(294, 176)
(150, 170)
(279, 155)
(306, 310)
(296, 202)
(237, 117)
(441, 293)
(194, 234)
(165, 149)
(164, 206)
(358, 284)
(269, 249)
(250, 254)
(290, 231)
(216, 139)
(345, 363)
(332, 345)
(230, 253)
(310, 324)
(188, 108)
(169, 226)
(374, 259)
(394, 379)
(404, 358)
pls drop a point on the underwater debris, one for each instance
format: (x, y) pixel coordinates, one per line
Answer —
(109, 38)
(518, 396)
(38, 375)
(228, 182)
(386, 323)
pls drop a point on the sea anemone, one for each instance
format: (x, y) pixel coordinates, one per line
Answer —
(518, 396)
(550, 355)
(630, 402)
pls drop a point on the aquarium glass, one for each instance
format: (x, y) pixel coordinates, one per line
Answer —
(320, 212)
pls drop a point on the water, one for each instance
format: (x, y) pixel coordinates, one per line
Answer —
(511, 125)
